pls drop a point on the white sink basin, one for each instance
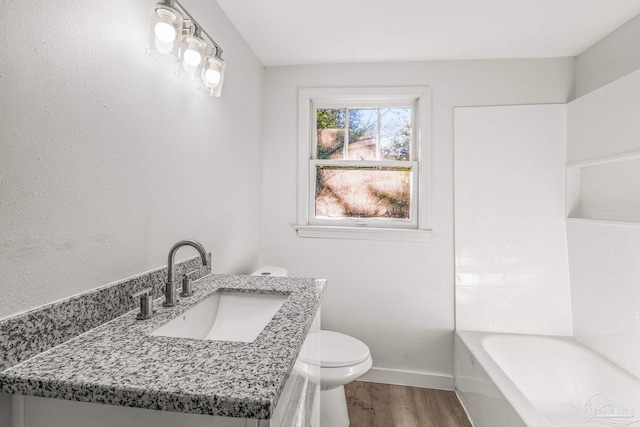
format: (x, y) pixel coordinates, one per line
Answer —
(225, 316)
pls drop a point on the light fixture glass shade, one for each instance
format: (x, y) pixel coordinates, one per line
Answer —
(165, 30)
(213, 75)
(192, 52)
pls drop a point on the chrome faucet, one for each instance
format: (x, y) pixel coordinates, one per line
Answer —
(170, 290)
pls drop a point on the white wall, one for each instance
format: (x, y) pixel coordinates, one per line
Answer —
(107, 158)
(510, 242)
(611, 58)
(396, 297)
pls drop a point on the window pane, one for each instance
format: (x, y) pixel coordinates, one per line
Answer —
(363, 130)
(363, 192)
(395, 130)
(331, 130)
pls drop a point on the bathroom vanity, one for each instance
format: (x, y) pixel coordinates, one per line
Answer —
(124, 372)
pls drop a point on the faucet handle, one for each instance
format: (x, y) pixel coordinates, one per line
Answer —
(145, 291)
(146, 304)
(187, 288)
(191, 273)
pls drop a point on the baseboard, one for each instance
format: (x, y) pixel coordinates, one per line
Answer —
(408, 378)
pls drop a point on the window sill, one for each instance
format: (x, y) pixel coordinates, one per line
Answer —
(363, 233)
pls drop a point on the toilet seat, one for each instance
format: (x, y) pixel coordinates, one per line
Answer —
(338, 350)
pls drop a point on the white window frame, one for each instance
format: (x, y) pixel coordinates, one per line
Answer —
(419, 98)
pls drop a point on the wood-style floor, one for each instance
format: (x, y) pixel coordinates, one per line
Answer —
(383, 405)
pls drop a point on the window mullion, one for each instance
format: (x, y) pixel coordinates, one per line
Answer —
(415, 129)
(345, 149)
(366, 163)
(378, 156)
(313, 132)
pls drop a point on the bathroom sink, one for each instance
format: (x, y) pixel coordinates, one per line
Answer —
(225, 316)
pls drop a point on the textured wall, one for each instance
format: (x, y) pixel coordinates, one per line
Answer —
(395, 296)
(107, 158)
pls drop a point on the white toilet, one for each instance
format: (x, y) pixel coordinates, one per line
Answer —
(342, 360)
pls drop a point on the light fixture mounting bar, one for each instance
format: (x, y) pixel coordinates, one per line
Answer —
(175, 4)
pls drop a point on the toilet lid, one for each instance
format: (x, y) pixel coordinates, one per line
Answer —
(339, 350)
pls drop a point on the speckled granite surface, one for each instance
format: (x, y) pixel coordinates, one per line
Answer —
(30, 333)
(119, 363)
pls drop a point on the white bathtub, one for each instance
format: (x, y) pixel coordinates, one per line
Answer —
(511, 380)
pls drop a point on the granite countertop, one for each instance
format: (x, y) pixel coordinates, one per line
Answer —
(119, 363)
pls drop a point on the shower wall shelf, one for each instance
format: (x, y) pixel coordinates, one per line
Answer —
(603, 222)
(624, 157)
(604, 190)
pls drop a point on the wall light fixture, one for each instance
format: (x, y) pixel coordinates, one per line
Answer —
(174, 36)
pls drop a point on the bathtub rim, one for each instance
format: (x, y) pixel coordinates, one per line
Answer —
(523, 407)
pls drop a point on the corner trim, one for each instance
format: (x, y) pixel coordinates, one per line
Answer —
(465, 407)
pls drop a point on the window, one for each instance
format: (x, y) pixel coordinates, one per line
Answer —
(362, 170)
